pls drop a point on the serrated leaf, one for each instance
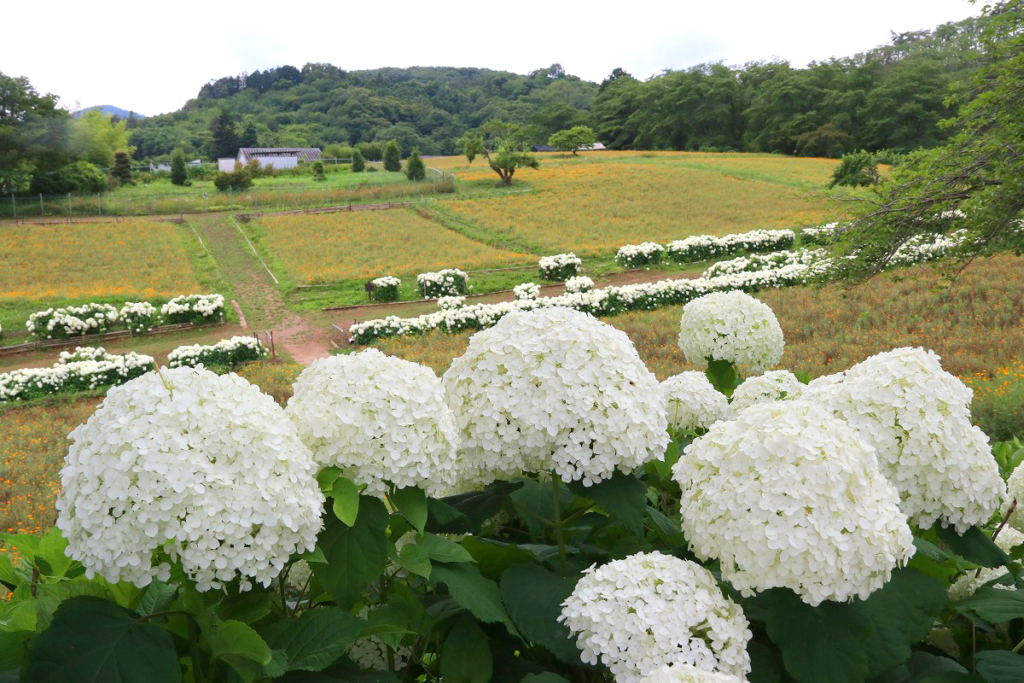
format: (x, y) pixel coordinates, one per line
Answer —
(466, 655)
(247, 607)
(92, 640)
(415, 560)
(345, 496)
(533, 597)
(476, 507)
(622, 496)
(823, 643)
(356, 555)
(974, 545)
(49, 597)
(995, 605)
(232, 641)
(412, 503)
(442, 550)
(494, 557)
(317, 639)
(1000, 666)
(443, 513)
(474, 592)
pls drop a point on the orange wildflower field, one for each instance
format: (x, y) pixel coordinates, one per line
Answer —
(61, 263)
(329, 247)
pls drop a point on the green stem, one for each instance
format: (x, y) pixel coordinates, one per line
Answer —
(193, 646)
(1017, 648)
(556, 505)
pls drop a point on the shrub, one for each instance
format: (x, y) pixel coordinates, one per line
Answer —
(138, 316)
(578, 284)
(385, 289)
(371, 151)
(704, 247)
(392, 157)
(179, 172)
(447, 282)
(358, 162)
(194, 308)
(414, 167)
(86, 369)
(73, 321)
(239, 179)
(527, 290)
(80, 177)
(637, 255)
(225, 353)
(856, 169)
(318, 171)
(559, 267)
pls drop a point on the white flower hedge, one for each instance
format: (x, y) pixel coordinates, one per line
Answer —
(385, 289)
(139, 316)
(704, 247)
(823, 235)
(194, 308)
(229, 352)
(639, 255)
(560, 266)
(578, 284)
(527, 290)
(450, 302)
(447, 282)
(72, 321)
(86, 369)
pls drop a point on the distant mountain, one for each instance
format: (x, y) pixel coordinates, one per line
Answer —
(109, 109)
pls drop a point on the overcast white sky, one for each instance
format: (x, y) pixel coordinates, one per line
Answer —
(151, 57)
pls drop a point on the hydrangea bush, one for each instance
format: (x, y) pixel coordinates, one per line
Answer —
(560, 267)
(733, 327)
(578, 284)
(704, 247)
(639, 255)
(448, 282)
(73, 321)
(194, 309)
(138, 316)
(85, 369)
(527, 290)
(227, 352)
(547, 511)
(385, 289)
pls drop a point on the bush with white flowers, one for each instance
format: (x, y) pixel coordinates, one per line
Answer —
(447, 303)
(704, 247)
(194, 309)
(968, 584)
(917, 418)
(578, 284)
(648, 611)
(193, 467)
(822, 235)
(227, 352)
(560, 266)
(774, 385)
(527, 290)
(72, 321)
(693, 403)
(385, 289)
(447, 282)
(86, 369)
(138, 316)
(733, 327)
(786, 495)
(639, 255)
(554, 390)
(380, 419)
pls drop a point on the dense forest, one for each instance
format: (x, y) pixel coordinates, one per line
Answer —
(891, 97)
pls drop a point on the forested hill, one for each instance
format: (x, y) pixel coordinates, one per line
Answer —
(891, 97)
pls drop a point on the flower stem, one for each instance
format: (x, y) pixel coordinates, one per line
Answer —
(1018, 647)
(557, 515)
(193, 645)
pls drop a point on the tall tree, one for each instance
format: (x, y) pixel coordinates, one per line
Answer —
(33, 133)
(573, 139)
(122, 170)
(179, 172)
(249, 137)
(415, 169)
(224, 142)
(392, 157)
(507, 149)
(358, 162)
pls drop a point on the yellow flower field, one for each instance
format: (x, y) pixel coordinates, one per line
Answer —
(351, 245)
(133, 259)
(595, 206)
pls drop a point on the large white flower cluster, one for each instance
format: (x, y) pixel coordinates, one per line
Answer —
(703, 247)
(693, 403)
(578, 284)
(191, 465)
(450, 302)
(554, 390)
(194, 308)
(636, 255)
(773, 385)
(917, 417)
(527, 290)
(648, 611)
(386, 281)
(730, 326)
(1015, 492)
(72, 321)
(370, 653)
(786, 495)
(86, 369)
(380, 419)
(447, 282)
(385, 289)
(138, 316)
(559, 266)
(225, 352)
(688, 674)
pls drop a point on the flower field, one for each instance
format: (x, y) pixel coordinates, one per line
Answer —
(362, 245)
(595, 207)
(58, 263)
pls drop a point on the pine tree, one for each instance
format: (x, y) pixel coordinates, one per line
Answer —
(392, 157)
(358, 162)
(179, 174)
(225, 136)
(249, 138)
(122, 168)
(414, 167)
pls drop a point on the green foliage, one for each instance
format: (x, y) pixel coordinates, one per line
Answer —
(239, 179)
(573, 139)
(318, 171)
(179, 172)
(122, 170)
(471, 145)
(358, 162)
(856, 169)
(32, 132)
(223, 136)
(95, 138)
(392, 157)
(79, 177)
(506, 148)
(415, 169)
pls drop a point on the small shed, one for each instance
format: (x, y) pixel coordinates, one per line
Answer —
(280, 157)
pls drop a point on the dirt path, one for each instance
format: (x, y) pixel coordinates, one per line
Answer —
(303, 337)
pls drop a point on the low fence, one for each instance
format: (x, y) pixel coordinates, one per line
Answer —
(255, 199)
(40, 345)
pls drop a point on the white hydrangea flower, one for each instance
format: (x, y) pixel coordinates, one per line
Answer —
(1008, 539)
(648, 611)
(579, 284)
(786, 495)
(773, 385)
(554, 389)
(688, 674)
(693, 402)
(917, 417)
(1015, 492)
(370, 653)
(446, 303)
(527, 290)
(380, 419)
(204, 468)
(730, 326)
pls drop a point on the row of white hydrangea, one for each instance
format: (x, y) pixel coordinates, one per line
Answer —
(704, 247)
(447, 282)
(822, 235)
(227, 352)
(638, 255)
(139, 317)
(85, 369)
(560, 267)
(527, 290)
